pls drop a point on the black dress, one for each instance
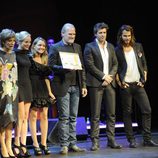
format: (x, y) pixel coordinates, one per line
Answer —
(8, 89)
(24, 82)
(38, 74)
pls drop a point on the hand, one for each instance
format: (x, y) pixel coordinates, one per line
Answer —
(140, 84)
(125, 85)
(108, 78)
(104, 84)
(145, 75)
(84, 92)
(52, 97)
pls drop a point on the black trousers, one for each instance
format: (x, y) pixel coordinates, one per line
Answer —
(96, 96)
(140, 97)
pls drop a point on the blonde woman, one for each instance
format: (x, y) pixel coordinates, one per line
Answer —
(23, 39)
(39, 73)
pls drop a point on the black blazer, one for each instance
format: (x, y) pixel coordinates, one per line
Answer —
(94, 64)
(140, 58)
(61, 81)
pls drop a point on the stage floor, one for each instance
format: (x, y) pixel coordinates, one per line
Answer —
(106, 152)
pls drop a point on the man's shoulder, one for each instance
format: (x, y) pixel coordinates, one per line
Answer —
(58, 44)
(138, 44)
(76, 44)
(110, 45)
(91, 44)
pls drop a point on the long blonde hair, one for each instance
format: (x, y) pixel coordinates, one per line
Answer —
(44, 56)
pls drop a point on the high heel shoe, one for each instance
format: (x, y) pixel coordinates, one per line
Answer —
(45, 149)
(37, 151)
(26, 153)
(18, 155)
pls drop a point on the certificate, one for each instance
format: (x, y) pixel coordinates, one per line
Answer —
(70, 60)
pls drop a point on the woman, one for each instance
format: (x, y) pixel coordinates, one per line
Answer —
(25, 93)
(39, 73)
(8, 91)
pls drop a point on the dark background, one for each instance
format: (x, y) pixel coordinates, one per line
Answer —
(46, 17)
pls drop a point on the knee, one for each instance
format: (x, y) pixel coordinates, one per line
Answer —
(95, 119)
(64, 118)
(45, 117)
(33, 117)
(111, 116)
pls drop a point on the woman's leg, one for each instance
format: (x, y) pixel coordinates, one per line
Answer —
(21, 115)
(8, 135)
(4, 151)
(44, 125)
(24, 128)
(33, 126)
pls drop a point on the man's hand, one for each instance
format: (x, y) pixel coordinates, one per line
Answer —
(145, 75)
(104, 84)
(108, 78)
(125, 85)
(84, 92)
(140, 84)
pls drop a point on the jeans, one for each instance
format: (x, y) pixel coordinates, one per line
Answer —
(139, 95)
(68, 110)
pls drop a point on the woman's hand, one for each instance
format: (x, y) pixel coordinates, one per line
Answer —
(52, 97)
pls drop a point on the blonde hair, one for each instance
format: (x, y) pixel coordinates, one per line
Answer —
(20, 36)
(44, 56)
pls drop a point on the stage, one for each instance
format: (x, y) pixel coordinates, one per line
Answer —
(106, 152)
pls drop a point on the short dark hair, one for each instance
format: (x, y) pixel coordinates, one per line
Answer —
(99, 26)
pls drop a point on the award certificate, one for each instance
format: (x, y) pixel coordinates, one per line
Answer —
(70, 60)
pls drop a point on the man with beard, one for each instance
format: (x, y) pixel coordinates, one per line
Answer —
(132, 75)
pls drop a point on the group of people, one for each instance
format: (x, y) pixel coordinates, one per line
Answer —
(26, 88)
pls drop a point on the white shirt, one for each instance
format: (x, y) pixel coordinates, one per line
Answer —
(105, 57)
(132, 73)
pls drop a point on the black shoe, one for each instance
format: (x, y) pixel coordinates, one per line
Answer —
(114, 145)
(95, 147)
(26, 153)
(132, 144)
(17, 154)
(45, 149)
(37, 151)
(150, 143)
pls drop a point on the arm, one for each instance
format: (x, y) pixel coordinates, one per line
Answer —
(55, 63)
(49, 89)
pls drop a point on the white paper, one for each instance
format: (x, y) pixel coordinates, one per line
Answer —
(70, 60)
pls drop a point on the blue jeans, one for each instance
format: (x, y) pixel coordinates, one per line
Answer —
(68, 110)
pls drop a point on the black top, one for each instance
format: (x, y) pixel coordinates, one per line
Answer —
(24, 82)
(38, 74)
(63, 78)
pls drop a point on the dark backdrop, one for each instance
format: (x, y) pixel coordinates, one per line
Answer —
(45, 18)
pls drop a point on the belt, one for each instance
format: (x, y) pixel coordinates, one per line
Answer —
(132, 83)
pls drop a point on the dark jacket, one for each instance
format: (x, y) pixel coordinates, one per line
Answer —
(94, 64)
(122, 64)
(61, 81)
